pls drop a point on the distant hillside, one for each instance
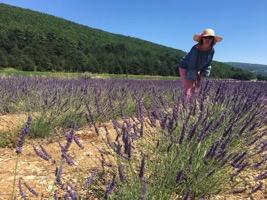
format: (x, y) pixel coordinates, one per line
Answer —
(32, 40)
(254, 68)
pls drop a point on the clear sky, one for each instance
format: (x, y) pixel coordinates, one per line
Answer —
(242, 23)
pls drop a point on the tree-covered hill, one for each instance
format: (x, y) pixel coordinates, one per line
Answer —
(258, 69)
(32, 40)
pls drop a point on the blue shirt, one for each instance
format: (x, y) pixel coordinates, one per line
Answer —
(197, 61)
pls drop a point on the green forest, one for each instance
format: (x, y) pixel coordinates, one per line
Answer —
(34, 41)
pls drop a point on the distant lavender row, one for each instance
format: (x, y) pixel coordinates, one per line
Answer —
(32, 94)
(49, 91)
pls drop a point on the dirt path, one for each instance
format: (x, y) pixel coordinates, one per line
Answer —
(40, 174)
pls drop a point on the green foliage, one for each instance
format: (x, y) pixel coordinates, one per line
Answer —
(221, 70)
(71, 119)
(41, 127)
(254, 68)
(163, 164)
(261, 77)
(86, 75)
(35, 41)
(8, 138)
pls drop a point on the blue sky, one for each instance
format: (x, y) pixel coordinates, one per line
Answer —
(242, 23)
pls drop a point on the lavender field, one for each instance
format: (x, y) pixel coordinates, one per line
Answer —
(131, 139)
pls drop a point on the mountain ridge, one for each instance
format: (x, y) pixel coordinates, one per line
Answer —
(252, 67)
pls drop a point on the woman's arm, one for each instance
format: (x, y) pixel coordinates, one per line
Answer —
(206, 70)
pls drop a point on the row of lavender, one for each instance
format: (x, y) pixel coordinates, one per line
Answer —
(165, 147)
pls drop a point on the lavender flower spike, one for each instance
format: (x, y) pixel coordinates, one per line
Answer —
(121, 173)
(58, 174)
(110, 188)
(257, 187)
(40, 154)
(55, 195)
(262, 176)
(21, 191)
(24, 133)
(69, 160)
(33, 191)
(73, 194)
(144, 190)
(89, 181)
(77, 141)
(142, 168)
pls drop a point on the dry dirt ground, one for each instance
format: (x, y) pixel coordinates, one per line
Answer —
(40, 174)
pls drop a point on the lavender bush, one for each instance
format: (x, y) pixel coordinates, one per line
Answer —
(165, 147)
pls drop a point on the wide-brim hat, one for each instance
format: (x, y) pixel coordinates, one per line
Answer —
(207, 32)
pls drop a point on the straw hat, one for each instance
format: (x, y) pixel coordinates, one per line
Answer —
(207, 32)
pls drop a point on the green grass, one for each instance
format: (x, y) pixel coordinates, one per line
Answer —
(8, 138)
(15, 72)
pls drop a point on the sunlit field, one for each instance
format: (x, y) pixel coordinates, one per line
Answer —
(87, 75)
(92, 137)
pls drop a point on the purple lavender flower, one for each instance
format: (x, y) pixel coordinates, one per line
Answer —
(40, 153)
(68, 158)
(144, 189)
(21, 190)
(69, 137)
(116, 125)
(45, 152)
(118, 148)
(238, 190)
(262, 176)
(110, 188)
(66, 195)
(263, 147)
(129, 149)
(187, 195)
(238, 158)
(256, 188)
(58, 174)
(24, 133)
(242, 166)
(180, 177)
(73, 194)
(182, 135)
(121, 173)
(192, 131)
(55, 195)
(258, 164)
(226, 142)
(33, 191)
(77, 141)
(90, 179)
(212, 150)
(142, 168)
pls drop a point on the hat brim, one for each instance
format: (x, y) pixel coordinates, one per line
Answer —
(198, 37)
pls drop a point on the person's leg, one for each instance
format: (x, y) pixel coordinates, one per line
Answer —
(188, 85)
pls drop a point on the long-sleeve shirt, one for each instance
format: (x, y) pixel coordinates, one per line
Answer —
(197, 61)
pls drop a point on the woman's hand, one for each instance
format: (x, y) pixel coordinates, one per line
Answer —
(198, 80)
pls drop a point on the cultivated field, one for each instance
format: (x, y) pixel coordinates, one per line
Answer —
(83, 138)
